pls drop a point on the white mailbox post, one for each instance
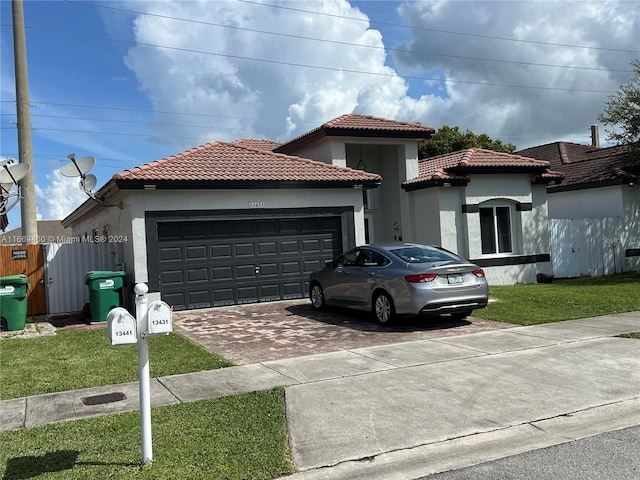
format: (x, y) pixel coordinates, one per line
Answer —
(121, 327)
(154, 319)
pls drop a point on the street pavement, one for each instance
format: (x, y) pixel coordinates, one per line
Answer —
(608, 456)
(412, 409)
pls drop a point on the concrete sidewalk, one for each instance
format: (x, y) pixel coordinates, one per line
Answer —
(411, 409)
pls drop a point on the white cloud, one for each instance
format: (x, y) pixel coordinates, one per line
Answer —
(275, 99)
(59, 197)
(525, 116)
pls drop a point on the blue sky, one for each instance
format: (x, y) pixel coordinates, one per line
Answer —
(129, 82)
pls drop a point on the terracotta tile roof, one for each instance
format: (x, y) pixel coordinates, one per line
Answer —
(354, 124)
(258, 144)
(586, 165)
(454, 167)
(221, 162)
(356, 121)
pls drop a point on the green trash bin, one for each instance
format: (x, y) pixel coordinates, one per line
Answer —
(13, 302)
(105, 293)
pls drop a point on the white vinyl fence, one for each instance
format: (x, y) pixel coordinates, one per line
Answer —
(66, 266)
(589, 247)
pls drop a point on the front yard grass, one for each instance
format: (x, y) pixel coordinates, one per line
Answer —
(72, 360)
(234, 438)
(566, 299)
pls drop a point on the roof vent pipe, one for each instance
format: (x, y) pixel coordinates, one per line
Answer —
(595, 136)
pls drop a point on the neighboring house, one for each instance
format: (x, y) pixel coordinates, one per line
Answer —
(487, 206)
(596, 209)
(49, 231)
(242, 222)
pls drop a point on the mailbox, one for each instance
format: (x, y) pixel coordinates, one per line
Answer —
(159, 318)
(121, 327)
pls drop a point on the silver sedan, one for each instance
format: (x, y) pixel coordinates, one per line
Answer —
(400, 279)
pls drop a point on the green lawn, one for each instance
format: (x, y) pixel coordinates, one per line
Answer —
(238, 437)
(235, 438)
(563, 299)
(78, 359)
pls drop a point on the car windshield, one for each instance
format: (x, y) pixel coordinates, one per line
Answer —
(416, 254)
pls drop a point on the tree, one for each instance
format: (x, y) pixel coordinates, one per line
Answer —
(450, 139)
(622, 112)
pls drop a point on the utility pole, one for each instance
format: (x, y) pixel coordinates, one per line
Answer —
(25, 150)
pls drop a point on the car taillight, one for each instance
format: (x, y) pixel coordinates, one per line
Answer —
(478, 273)
(421, 277)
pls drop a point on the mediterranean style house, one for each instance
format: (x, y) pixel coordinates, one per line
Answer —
(247, 221)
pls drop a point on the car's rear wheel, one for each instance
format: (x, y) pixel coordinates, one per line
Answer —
(317, 297)
(383, 309)
(461, 315)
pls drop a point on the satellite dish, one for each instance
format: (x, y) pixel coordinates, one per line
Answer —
(78, 166)
(88, 182)
(13, 172)
(5, 187)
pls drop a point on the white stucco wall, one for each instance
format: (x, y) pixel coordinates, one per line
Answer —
(130, 221)
(484, 188)
(453, 229)
(631, 201)
(439, 220)
(589, 203)
(425, 210)
(117, 220)
(323, 150)
(514, 274)
(395, 160)
(612, 205)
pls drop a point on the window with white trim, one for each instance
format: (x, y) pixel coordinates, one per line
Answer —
(495, 230)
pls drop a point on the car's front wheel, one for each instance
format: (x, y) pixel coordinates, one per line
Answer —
(383, 309)
(317, 297)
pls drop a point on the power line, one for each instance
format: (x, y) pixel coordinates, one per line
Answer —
(126, 134)
(324, 68)
(351, 44)
(181, 125)
(379, 22)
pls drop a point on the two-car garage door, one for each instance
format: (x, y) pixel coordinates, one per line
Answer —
(213, 263)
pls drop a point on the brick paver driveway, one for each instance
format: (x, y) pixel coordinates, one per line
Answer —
(271, 331)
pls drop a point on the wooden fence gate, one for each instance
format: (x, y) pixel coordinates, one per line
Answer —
(57, 272)
(27, 260)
